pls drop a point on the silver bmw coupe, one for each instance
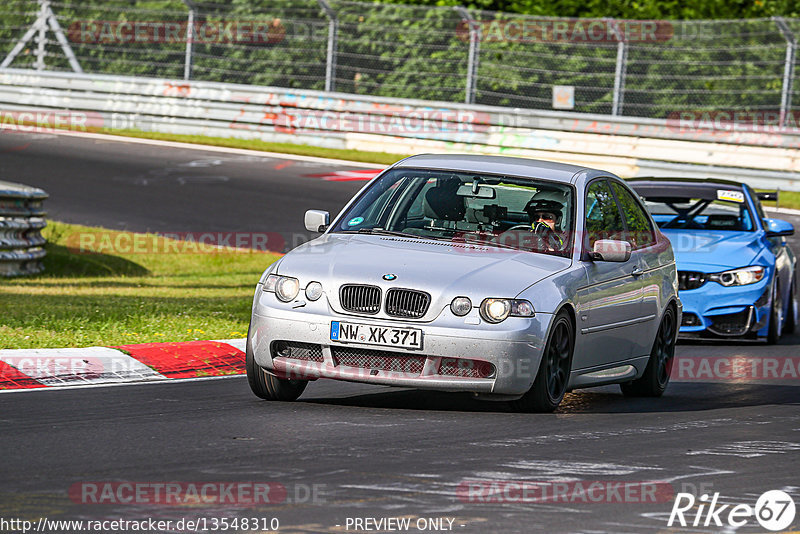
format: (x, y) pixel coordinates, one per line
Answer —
(513, 279)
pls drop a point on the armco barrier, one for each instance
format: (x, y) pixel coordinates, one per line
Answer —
(21, 221)
(627, 146)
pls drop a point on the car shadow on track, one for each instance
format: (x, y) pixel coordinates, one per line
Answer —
(412, 399)
(680, 397)
(786, 339)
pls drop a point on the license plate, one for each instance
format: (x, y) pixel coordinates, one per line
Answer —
(407, 338)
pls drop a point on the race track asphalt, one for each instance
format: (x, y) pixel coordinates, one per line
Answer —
(352, 450)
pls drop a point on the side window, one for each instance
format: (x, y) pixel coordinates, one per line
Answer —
(757, 203)
(602, 215)
(639, 230)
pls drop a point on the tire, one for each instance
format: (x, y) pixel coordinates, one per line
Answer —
(775, 312)
(790, 323)
(267, 386)
(553, 375)
(655, 379)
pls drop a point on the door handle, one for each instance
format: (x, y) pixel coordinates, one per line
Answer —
(637, 271)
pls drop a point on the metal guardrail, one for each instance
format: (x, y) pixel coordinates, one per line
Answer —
(21, 222)
(624, 145)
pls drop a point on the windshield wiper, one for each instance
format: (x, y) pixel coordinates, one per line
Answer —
(381, 231)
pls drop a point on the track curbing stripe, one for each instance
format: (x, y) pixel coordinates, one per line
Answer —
(147, 362)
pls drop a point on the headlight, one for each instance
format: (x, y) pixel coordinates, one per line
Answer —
(284, 287)
(739, 277)
(497, 310)
(461, 306)
(313, 290)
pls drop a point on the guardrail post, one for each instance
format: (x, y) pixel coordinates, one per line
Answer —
(45, 18)
(472, 58)
(41, 39)
(620, 72)
(788, 69)
(187, 64)
(333, 37)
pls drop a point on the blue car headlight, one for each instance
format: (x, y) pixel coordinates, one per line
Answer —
(739, 277)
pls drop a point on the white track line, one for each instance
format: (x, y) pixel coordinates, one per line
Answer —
(211, 148)
(116, 384)
(787, 211)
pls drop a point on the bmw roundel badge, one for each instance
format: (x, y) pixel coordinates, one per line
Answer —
(390, 277)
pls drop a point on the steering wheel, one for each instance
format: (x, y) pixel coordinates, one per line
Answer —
(520, 227)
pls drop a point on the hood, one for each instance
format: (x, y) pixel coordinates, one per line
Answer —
(443, 269)
(708, 251)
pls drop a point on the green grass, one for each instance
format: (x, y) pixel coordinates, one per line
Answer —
(85, 299)
(786, 199)
(379, 158)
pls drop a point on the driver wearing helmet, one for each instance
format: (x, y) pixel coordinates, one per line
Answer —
(546, 214)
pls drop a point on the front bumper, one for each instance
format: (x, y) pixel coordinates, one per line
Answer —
(713, 310)
(451, 347)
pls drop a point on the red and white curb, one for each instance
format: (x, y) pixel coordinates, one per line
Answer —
(364, 175)
(42, 368)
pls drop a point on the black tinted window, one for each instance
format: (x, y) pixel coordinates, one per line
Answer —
(602, 215)
(639, 230)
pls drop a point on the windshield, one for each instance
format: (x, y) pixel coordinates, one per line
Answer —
(505, 211)
(682, 213)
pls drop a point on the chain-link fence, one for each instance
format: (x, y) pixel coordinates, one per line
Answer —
(653, 69)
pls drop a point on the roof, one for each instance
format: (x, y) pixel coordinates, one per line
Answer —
(503, 165)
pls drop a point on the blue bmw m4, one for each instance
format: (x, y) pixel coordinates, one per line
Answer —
(736, 272)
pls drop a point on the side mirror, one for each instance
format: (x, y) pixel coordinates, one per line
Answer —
(611, 250)
(778, 228)
(317, 220)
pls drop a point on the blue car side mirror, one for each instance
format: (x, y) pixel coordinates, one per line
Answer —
(778, 228)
